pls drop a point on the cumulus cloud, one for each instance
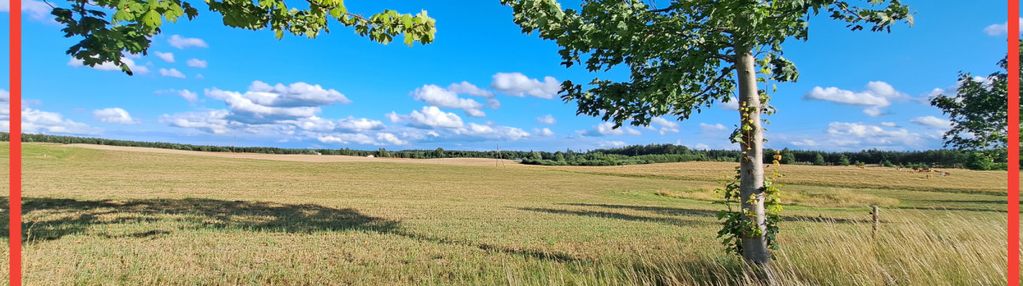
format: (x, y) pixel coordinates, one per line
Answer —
(115, 115)
(999, 29)
(607, 129)
(518, 84)
(547, 119)
(877, 96)
(36, 10)
(492, 132)
(473, 90)
(214, 121)
(359, 124)
(347, 138)
(175, 73)
(710, 128)
(852, 133)
(438, 96)
(432, 117)
(110, 66)
(196, 63)
(188, 95)
(544, 132)
(664, 126)
(390, 139)
(932, 121)
(182, 42)
(167, 57)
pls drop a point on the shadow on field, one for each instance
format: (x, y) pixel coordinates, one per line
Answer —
(600, 214)
(684, 212)
(50, 218)
(47, 219)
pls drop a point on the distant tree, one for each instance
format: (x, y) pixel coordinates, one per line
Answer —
(787, 157)
(843, 160)
(439, 153)
(819, 160)
(535, 156)
(132, 24)
(980, 161)
(683, 57)
(558, 156)
(978, 111)
(383, 153)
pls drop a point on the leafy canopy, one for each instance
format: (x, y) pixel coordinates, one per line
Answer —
(132, 23)
(978, 110)
(680, 57)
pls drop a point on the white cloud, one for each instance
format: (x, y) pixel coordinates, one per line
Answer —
(611, 144)
(346, 138)
(438, 96)
(545, 132)
(607, 129)
(110, 66)
(465, 87)
(295, 94)
(999, 29)
(804, 143)
(38, 121)
(664, 126)
(492, 132)
(877, 96)
(889, 124)
(113, 115)
(518, 84)
(433, 117)
(359, 124)
(175, 73)
(196, 63)
(181, 42)
(390, 139)
(167, 57)
(36, 10)
(717, 127)
(849, 133)
(932, 121)
(188, 95)
(214, 121)
(547, 119)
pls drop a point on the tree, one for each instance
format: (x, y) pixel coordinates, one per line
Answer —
(133, 23)
(439, 153)
(978, 111)
(787, 157)
(980, 161)
(682, 58)
(818, 160)
(843, 160)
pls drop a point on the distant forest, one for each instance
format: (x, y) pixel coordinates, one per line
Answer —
(636, 154)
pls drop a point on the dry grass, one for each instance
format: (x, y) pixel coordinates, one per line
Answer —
(142, 218)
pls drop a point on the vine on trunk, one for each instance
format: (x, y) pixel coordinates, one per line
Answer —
(738, 223)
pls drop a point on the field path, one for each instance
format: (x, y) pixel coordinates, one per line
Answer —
(305, 158)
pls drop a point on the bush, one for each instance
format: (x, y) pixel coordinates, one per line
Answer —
(980, 161)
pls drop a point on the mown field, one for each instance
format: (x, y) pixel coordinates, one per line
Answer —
(108, 217)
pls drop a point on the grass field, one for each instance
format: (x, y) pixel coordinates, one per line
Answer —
(118, 216)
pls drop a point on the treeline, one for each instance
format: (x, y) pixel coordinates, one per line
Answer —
(636, 154)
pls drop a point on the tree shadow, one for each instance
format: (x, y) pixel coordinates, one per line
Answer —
(675, 211)
(47, 219)
(600, 214)
(53, 218)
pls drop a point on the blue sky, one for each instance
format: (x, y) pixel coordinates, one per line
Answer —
(481, 84)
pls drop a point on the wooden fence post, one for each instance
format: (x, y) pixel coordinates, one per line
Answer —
(877, 220)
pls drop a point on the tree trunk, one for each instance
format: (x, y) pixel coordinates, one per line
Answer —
(751, 165)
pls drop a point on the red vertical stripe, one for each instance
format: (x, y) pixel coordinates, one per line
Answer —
(15, 144)
(1013, 144)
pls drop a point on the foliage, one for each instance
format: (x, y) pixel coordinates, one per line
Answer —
(843, 160)
(819, 160)
(978, 111)
(787, 157)
(980, 161)
(679, 57)
(739, 223)
(109, 29)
